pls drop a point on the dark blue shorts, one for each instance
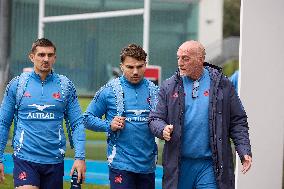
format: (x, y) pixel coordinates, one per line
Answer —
(44, 176)
(120, 179)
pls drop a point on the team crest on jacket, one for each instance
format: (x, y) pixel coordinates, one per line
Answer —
(206, 93)
(27, 94)
(56, 95)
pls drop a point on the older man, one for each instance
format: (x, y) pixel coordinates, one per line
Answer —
(198, 112)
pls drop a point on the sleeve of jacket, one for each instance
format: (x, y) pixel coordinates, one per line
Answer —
(74, 115)
(239, 125)
(96, 109)
(158, 116)
(7, 111)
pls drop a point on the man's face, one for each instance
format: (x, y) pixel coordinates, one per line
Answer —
(43, 59)
(189, 62)
(133, 70)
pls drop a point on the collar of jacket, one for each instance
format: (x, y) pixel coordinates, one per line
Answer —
(131, 85)
(37, 76)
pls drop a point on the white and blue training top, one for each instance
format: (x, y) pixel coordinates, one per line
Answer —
(133, 148)
(39, 135)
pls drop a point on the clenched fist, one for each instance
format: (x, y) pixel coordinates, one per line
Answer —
(117, 123)
(167, 132)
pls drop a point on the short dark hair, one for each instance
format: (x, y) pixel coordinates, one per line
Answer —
(42, 42)
(134, 51)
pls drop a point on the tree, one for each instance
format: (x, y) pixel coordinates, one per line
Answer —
(231, 22)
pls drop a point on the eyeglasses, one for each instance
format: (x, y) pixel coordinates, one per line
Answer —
(195, 89)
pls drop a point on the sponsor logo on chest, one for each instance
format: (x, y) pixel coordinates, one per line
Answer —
(137, 116)
(41, 114)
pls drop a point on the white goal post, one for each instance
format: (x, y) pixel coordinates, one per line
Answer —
(108, 14)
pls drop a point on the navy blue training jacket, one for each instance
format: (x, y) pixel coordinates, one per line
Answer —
(227, 120)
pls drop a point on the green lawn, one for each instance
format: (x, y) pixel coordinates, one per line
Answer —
(90, 135)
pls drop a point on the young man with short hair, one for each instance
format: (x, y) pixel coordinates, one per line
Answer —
(126, 102)
(38, 102)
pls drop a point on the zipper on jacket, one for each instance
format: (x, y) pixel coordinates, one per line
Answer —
(136, 96)
(42, 82)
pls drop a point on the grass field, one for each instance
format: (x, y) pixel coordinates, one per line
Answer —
(90, 135)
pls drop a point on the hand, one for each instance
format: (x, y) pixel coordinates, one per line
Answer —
(246, 161)
(80, 166)
(167, 132)
(2, 173)
(118, 122)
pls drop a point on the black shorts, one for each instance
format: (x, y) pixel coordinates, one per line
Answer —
(44, 176)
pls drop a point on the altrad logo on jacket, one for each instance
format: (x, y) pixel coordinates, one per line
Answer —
(138, 112)
(138, 115)
(41, 107)
(40, 115)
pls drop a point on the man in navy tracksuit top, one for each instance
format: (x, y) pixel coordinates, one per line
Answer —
(197, 113)
(126, 102)
(38, 102)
